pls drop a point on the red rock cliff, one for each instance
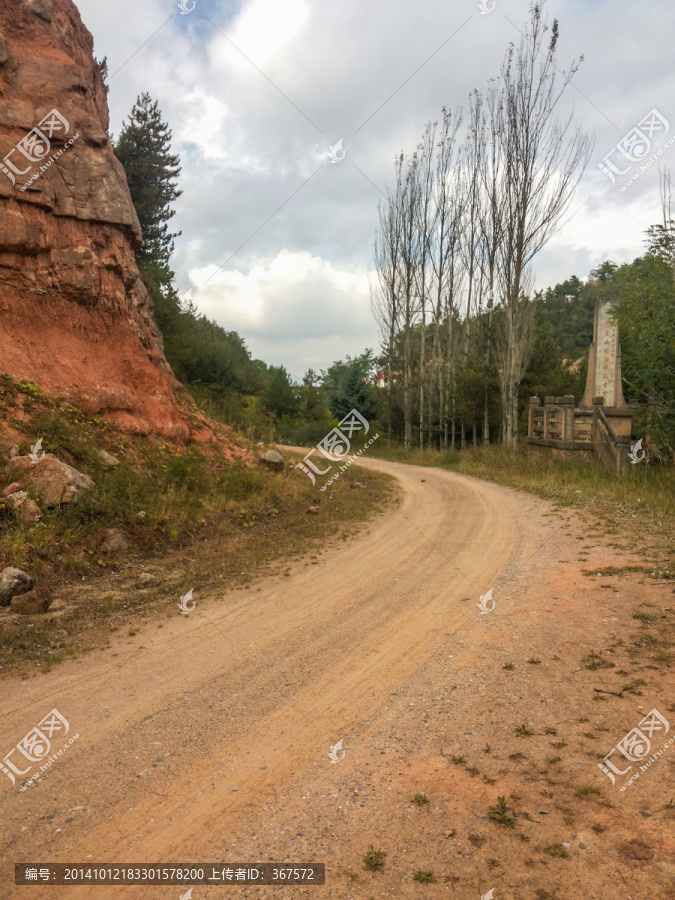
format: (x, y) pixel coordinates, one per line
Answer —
(74, 315)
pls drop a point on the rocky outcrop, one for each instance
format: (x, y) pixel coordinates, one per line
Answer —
(75, 316)
(56, 482)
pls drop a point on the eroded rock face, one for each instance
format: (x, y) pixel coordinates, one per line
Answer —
(75, 316)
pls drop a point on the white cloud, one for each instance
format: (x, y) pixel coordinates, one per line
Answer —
(296, 283)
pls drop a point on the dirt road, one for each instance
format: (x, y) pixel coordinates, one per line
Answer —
(207, 740)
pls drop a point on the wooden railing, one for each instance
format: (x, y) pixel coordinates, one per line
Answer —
(559, 425)
(614, 449)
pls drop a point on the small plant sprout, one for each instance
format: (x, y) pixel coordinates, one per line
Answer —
(426, 876)
(523, 731)
(509, 667)
(373, 861)
(420, 799)
(534, 661)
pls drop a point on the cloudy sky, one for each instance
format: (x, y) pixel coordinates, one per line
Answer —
(277, 239)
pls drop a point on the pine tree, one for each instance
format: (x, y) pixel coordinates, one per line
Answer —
(103, 66)
(144, 149)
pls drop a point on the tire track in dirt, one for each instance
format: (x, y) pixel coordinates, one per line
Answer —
(289, 669)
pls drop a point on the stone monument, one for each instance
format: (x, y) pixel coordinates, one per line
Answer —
(604, 359)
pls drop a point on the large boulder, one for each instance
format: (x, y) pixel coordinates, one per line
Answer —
(55, 482)
(272, 460)
(14, 582)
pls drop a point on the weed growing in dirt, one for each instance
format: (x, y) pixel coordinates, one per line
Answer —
(477, 840)
(373, 861)
(426, 876)
(550, 730)
(502, 813)
(534, 661)
(509, 667)
(598, 828)
(458, 760)
(594, 661)
(420, 799)
(492, 864)
(555, 850)
(587, 790)
(523, 731)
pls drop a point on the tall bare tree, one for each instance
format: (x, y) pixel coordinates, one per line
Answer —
(542, 162)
